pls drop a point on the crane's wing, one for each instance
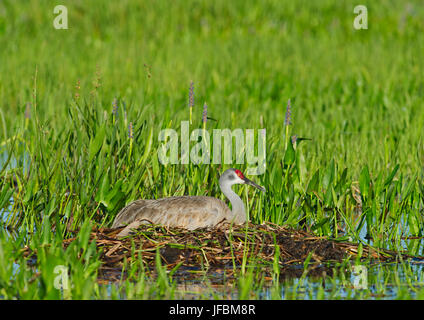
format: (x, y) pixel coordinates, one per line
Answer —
(190, 212)
(129, 213)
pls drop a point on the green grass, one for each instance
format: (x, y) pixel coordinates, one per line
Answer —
(356, 94)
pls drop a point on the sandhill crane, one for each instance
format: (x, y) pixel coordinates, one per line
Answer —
(190, 212)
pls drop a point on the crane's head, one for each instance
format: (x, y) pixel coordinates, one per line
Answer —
(235, 176)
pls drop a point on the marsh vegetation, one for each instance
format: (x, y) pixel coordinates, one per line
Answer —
(82, 109)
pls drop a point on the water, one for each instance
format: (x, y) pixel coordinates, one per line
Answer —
(412, 245)
(23, 162)
(382, 281)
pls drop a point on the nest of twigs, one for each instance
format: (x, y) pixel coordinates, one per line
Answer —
(225, 247)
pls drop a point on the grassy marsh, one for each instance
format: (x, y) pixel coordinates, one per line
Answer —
(68, 162)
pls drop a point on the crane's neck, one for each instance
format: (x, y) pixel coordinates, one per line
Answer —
(238, 209)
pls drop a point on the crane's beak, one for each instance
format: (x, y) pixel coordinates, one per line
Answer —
(251, 183)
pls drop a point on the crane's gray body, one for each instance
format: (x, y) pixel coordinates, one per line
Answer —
(190, 212)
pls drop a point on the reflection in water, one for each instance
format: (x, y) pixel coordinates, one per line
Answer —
(383, 281)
